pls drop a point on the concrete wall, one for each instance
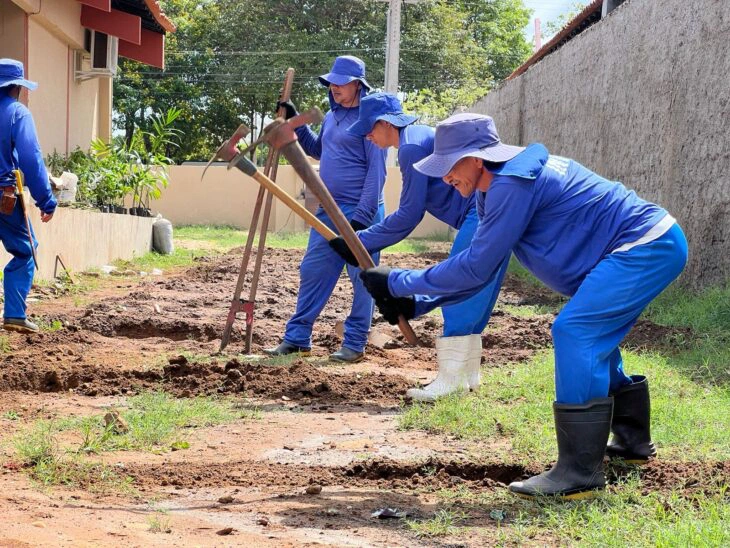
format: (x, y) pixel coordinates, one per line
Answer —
(86, 239)
(642, 97)
(228, 197)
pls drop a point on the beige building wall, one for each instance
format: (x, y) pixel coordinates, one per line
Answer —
(68, 113)
(228, 198)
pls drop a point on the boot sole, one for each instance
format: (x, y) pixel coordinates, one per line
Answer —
(302, 354)
(340, 360)
(582, 495)
(18, 328)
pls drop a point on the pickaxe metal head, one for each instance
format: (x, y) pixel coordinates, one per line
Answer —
(280, 132)
(229, 149)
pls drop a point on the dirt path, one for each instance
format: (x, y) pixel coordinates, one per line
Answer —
(323, 425)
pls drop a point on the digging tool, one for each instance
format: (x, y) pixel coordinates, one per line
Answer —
(227, 152)
(280, 135)
(21, 197)
(228, 149)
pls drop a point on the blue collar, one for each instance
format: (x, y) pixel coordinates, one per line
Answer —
(527, 164)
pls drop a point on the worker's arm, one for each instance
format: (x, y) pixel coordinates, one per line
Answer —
(411, 208)
(372, 187)
(509, 206)
(30, 160)
(311, 142)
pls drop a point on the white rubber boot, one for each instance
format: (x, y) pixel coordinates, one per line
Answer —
(453, 354)
(474, 362)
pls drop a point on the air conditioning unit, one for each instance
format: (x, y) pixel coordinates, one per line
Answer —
(100, 57)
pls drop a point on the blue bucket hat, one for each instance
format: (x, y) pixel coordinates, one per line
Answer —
(345, 69)
(380, 106)
(465, 135)
(12, 74)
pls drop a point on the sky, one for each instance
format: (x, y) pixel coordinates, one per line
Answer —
(547, 10)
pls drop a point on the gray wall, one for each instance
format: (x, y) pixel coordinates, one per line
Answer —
(642, 97)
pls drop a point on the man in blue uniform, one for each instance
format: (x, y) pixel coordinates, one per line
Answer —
(19, 149)
(459, 351)
(583, 236)
(353, 170)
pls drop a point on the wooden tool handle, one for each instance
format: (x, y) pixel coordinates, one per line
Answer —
(294, 153)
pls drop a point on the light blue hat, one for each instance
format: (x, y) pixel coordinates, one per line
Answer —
(463, 135)
(345, 69)
(12, 74)
(380, 106)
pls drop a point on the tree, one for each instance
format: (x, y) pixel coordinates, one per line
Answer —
(227, 59)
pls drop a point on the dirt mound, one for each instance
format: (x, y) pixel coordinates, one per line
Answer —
(646, 335)
(686, 477)
(435, 472)
(298, 382)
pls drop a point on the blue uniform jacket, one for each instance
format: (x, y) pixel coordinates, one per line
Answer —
(19, 148)
(559, 218)
(420, 194)
(352, 168)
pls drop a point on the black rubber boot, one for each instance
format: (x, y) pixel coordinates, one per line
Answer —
(347, 355)
(285, 349)
(582, 432)
(631, 423)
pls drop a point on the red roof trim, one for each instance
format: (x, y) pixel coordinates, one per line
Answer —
(569, 27)
(159, 15)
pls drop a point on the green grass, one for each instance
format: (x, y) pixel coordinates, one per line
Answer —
(5, 346)
(38, 451)
(622, 516)
(515, 402)
(156, 421)
(444, 522)
(705, 354)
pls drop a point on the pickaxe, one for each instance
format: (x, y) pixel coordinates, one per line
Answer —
(280, 135)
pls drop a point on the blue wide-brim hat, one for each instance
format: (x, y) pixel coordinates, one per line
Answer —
(465, 135)
(12, 74)
(345, 69)
(380, 106)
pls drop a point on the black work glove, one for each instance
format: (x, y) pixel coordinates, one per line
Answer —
(357, 225)
(376, 282)
(288, 106)
(391, 309)
(339, 246)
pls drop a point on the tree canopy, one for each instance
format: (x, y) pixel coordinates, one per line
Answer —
(226, 62)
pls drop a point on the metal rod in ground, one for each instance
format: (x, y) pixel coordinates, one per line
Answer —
(236, 300)
(272, 162)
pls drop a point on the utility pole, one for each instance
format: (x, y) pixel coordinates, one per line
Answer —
(392, 46)
(392, 52)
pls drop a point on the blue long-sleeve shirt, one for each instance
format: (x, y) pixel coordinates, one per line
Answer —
(420, 194)
(559, 218)
(352, 168)
(19, 149)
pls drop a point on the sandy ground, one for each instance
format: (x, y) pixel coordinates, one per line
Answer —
(323, 424)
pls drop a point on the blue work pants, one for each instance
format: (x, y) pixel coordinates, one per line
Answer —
(318, 274)
(589, 328)
(18, 274)
(470, 317)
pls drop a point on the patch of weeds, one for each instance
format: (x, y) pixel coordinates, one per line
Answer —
(5, 347)
(689, 421)
(11, 415)
(444, 522)
(38, 452)
(158, 523)
(149, 261)
(49, 326)
(526, 311)
(156, 422)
